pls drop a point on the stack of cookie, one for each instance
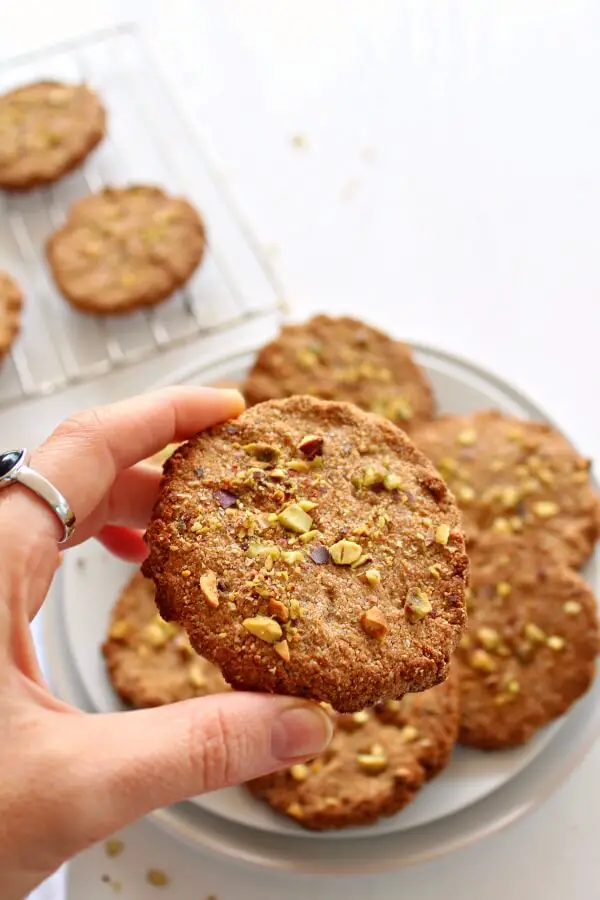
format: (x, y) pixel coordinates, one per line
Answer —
(120, 249)
(310, 548)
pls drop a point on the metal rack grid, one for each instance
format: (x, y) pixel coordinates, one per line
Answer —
(149, 140)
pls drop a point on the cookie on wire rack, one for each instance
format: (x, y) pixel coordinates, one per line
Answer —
(126, 248)
(46, 130)
(11, 304)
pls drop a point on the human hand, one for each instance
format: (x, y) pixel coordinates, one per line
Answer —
(70, 779)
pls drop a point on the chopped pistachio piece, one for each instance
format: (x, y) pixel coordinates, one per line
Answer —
(503, 588)
(374, 623)
(208, 586)
(299, 772)
(392, 482)
(488, 637)
(408, 734)
(572, 607)
(307, 505)
(442, 533)
(555, 642)
(264, 627)
(311, 446)
(119, 630)
(344, 552)
(417, 605)
(114, 848)
(308, 536)
(466, 494)
(372, 763)
(372, 476)
(298, 465)
(534, 633)
(295, 810)
(292, 556)
(513, 686)
(157, 878)
(467, 437)
(482, 661)
(545, 509)
(195, 676)
(155, 636)
(294, 518)
(361, 717)
(373, 576)
(282, 648)
(265, 453)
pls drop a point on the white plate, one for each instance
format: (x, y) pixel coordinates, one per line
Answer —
(203, 830)
(92, 580)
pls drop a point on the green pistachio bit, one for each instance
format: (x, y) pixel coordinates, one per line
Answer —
(373, 476)
(292, 556)
(294, 518)
(307, 505)
(262, 452)
(308, 536)
(417, 605)
(442, 533)
(373, 577)
(392, 482)
(265, 628)
(344, 552)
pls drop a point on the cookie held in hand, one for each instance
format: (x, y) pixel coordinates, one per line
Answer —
(308, 548)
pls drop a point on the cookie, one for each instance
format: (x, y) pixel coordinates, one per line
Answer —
(343, 359)
(375, 765)
(150, 662)
(11, 303)
(46, 130)
(511, 476)
(125, 248)
(530, 650)
(309, 549)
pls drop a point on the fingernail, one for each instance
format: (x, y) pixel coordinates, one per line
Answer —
(300, 731)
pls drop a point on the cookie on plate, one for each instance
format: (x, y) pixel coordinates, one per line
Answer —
(46, 130)
(343, 359)
(151, 662)
(11, 304)
(375, 765)
(309, 549)
(531, 647)
(512, 476)
(125, 248)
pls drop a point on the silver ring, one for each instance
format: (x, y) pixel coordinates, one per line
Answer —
(14, 469)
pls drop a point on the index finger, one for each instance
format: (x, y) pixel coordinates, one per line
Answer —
(87, 451)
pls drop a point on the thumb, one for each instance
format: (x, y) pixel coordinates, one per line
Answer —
(124, 765)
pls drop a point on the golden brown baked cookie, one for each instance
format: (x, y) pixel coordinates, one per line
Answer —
(531, 647)
(124, 248)
(512, 476)
(46, 130)
(11, 304)
(151, 662)
(309, 549)
(343, 359)
(375, 765)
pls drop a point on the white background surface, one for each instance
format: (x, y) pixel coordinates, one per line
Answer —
(449, 190)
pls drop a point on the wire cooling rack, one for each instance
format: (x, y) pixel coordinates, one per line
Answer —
(149, 140)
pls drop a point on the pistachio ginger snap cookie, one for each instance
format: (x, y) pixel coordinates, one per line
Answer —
(46, 130)
(309, 549)
(511, 476)
(343, 359)
(151, 662)
(375, 765)
(11, 304)
(530, 650)
(125, 248)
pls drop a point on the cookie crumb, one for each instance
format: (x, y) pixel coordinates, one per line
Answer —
(157, 878)
(114, 848)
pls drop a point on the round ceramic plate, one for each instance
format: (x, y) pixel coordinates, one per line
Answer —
(90, 573)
